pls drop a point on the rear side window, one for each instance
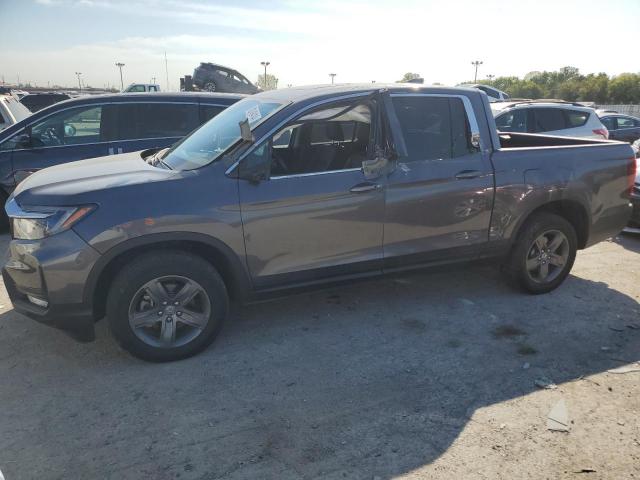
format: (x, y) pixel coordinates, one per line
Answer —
(548, 119)
(512, 121)
(207, 112)
(156, 120)
(433, 127)
(626, 122)
(576, 118)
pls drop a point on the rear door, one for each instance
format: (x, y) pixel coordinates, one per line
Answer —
(627, 129)
(439, 197)
(153, 125)
(75, 133)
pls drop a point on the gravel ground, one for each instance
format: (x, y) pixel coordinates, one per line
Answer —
(425, 376)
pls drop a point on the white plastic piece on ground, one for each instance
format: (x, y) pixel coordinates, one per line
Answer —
(633, 367)
(558, 418)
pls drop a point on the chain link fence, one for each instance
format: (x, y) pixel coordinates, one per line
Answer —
(624, 109)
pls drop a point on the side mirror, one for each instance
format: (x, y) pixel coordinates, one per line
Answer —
(245, 131)
(475, 141)
(380, 165)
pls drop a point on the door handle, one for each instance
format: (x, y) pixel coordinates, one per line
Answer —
(365, 187)
(467, 174)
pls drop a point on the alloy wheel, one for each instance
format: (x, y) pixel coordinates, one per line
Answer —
(169, 311)
(547, 256)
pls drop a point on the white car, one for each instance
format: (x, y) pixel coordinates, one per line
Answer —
(142, 87)
(494, 94)
(11, 111)
(552, 117)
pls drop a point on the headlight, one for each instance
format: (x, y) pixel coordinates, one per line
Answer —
(39, 222)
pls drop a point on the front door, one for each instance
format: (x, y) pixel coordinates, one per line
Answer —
(66, 136)
(439, 197)
(308, 211)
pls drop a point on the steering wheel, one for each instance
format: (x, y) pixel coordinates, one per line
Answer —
(51, 135)
(280, 163)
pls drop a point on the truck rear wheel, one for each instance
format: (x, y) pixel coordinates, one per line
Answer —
(543, 254)
(166, 305)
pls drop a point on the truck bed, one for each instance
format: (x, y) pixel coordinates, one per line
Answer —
(525, 140)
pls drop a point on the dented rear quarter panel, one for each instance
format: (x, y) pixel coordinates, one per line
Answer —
(593, 176)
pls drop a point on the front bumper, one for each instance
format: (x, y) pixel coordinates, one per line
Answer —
(53, 270)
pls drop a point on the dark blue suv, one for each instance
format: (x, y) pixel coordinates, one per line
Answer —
(96, 126)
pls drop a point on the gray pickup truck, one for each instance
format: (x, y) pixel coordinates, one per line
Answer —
(302, 187)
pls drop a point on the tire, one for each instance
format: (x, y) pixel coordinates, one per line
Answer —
(525, 266)
(210, 87)
(136, 298)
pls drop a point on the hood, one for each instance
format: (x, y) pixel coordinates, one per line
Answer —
(72, 183)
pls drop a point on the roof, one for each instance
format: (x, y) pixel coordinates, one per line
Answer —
(153, 97)
(217, 65)
(538, 103)
(296, 94)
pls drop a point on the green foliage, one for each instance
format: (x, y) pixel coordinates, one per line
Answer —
(568, 84)
(408, 76)
(270, 84)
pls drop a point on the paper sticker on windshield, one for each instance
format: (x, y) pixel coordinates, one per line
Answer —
(253, 114)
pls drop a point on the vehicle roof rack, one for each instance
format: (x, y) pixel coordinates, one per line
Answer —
(545, 100)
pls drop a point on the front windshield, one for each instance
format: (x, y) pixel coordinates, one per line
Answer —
(213, 138)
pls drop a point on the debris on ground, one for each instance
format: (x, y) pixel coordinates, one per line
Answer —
(526, 365)
(633, 326)
(634, 367)
(616, 329)
(546, 383)
(605, 349)
(504, 331)
(586, 470)
(558, 418)
(466, 301)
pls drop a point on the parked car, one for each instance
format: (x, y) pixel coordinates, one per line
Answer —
(11, 111)
(494, 94)
(211, 77)
(621, 127)
(634, 223)
(94, 126)
(293, 188)
(142, 88)
(37, 101)
(550, 117)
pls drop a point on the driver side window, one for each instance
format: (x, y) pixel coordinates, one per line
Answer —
(69, 127)
(331, 139)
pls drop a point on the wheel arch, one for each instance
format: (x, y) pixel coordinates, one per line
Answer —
(212, 250)
(571, 210)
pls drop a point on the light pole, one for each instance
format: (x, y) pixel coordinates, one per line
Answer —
(264, 79)
(332, 75)
(120, 65)
(476, 63)
(79, 83)
(491, 77)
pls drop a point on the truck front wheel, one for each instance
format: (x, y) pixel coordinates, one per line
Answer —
(166, 305)
(543, 254)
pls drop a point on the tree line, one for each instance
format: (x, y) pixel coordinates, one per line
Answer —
(570, 85)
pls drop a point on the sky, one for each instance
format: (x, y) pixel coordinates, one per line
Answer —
(45, 42)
